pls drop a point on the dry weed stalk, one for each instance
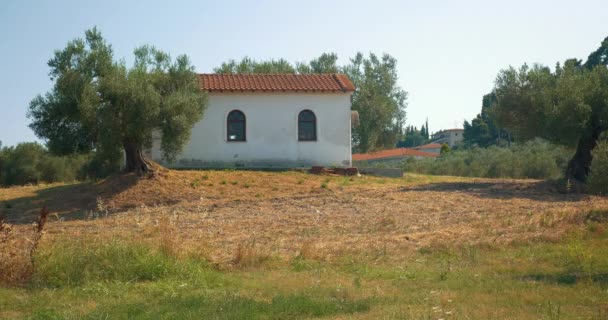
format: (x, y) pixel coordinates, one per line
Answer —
(18, 268)
(248, 255)
(8, 259)
(5, 231)
(38, 232)
(167, 233)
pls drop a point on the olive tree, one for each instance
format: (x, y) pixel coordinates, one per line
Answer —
(568, 106)
(99, 104)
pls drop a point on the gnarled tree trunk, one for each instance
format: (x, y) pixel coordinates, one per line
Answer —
(579, 166)
(135, 160)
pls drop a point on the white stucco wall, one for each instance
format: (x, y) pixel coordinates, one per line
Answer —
(449, 136)
(271, 131)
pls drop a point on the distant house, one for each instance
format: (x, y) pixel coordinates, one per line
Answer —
(434, 148)
(270, 120)
(449, 136)
(393, 154)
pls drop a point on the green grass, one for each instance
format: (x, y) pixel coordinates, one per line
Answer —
(86, 279)
(164, 301)
(84, 261)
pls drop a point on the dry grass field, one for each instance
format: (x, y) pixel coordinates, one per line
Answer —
(277, 245)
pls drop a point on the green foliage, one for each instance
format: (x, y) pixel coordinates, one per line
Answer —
(99, 104)
(98, 167)
(598, 179)
(424, 131)
(560, 106)
(444, 149)
(568, 106)
(248, 65)
(31, 163)
(22, 164)
(414, 137)
(326, 63)
(534, 159)
(483, 131)
(379, 100)
(599, 56)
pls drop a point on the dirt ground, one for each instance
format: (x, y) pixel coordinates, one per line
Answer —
(284, 214)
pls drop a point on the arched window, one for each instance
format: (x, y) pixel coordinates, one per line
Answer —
(236, 126)
(307, 126)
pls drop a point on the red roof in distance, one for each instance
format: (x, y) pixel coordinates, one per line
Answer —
(391, 153)
(276, 82)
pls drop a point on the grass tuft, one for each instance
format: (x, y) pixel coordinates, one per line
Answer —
(248, 255)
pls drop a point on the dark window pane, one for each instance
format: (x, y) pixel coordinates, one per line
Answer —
(236, 126)
(306, 116)
(307, 131)
(236, 115)
(236, 131)
(307, 126)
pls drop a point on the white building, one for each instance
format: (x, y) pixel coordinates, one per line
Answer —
(449, 136)
(270, 120)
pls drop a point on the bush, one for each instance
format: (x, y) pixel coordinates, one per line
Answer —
(535, 159)
(31, 163)
(598, 179)
(21, 164)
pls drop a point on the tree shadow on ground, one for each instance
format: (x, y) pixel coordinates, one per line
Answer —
(65, 202)
(566, 278)
(533, 190)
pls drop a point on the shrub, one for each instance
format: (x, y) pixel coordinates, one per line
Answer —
(535, 159)
(21, 164)
(598, 179)
(31, 163)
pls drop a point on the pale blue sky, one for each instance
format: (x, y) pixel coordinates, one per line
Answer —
(449, 52)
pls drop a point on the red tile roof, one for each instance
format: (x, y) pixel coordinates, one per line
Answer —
(276, 82)
(430, 146)
(399, 152)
